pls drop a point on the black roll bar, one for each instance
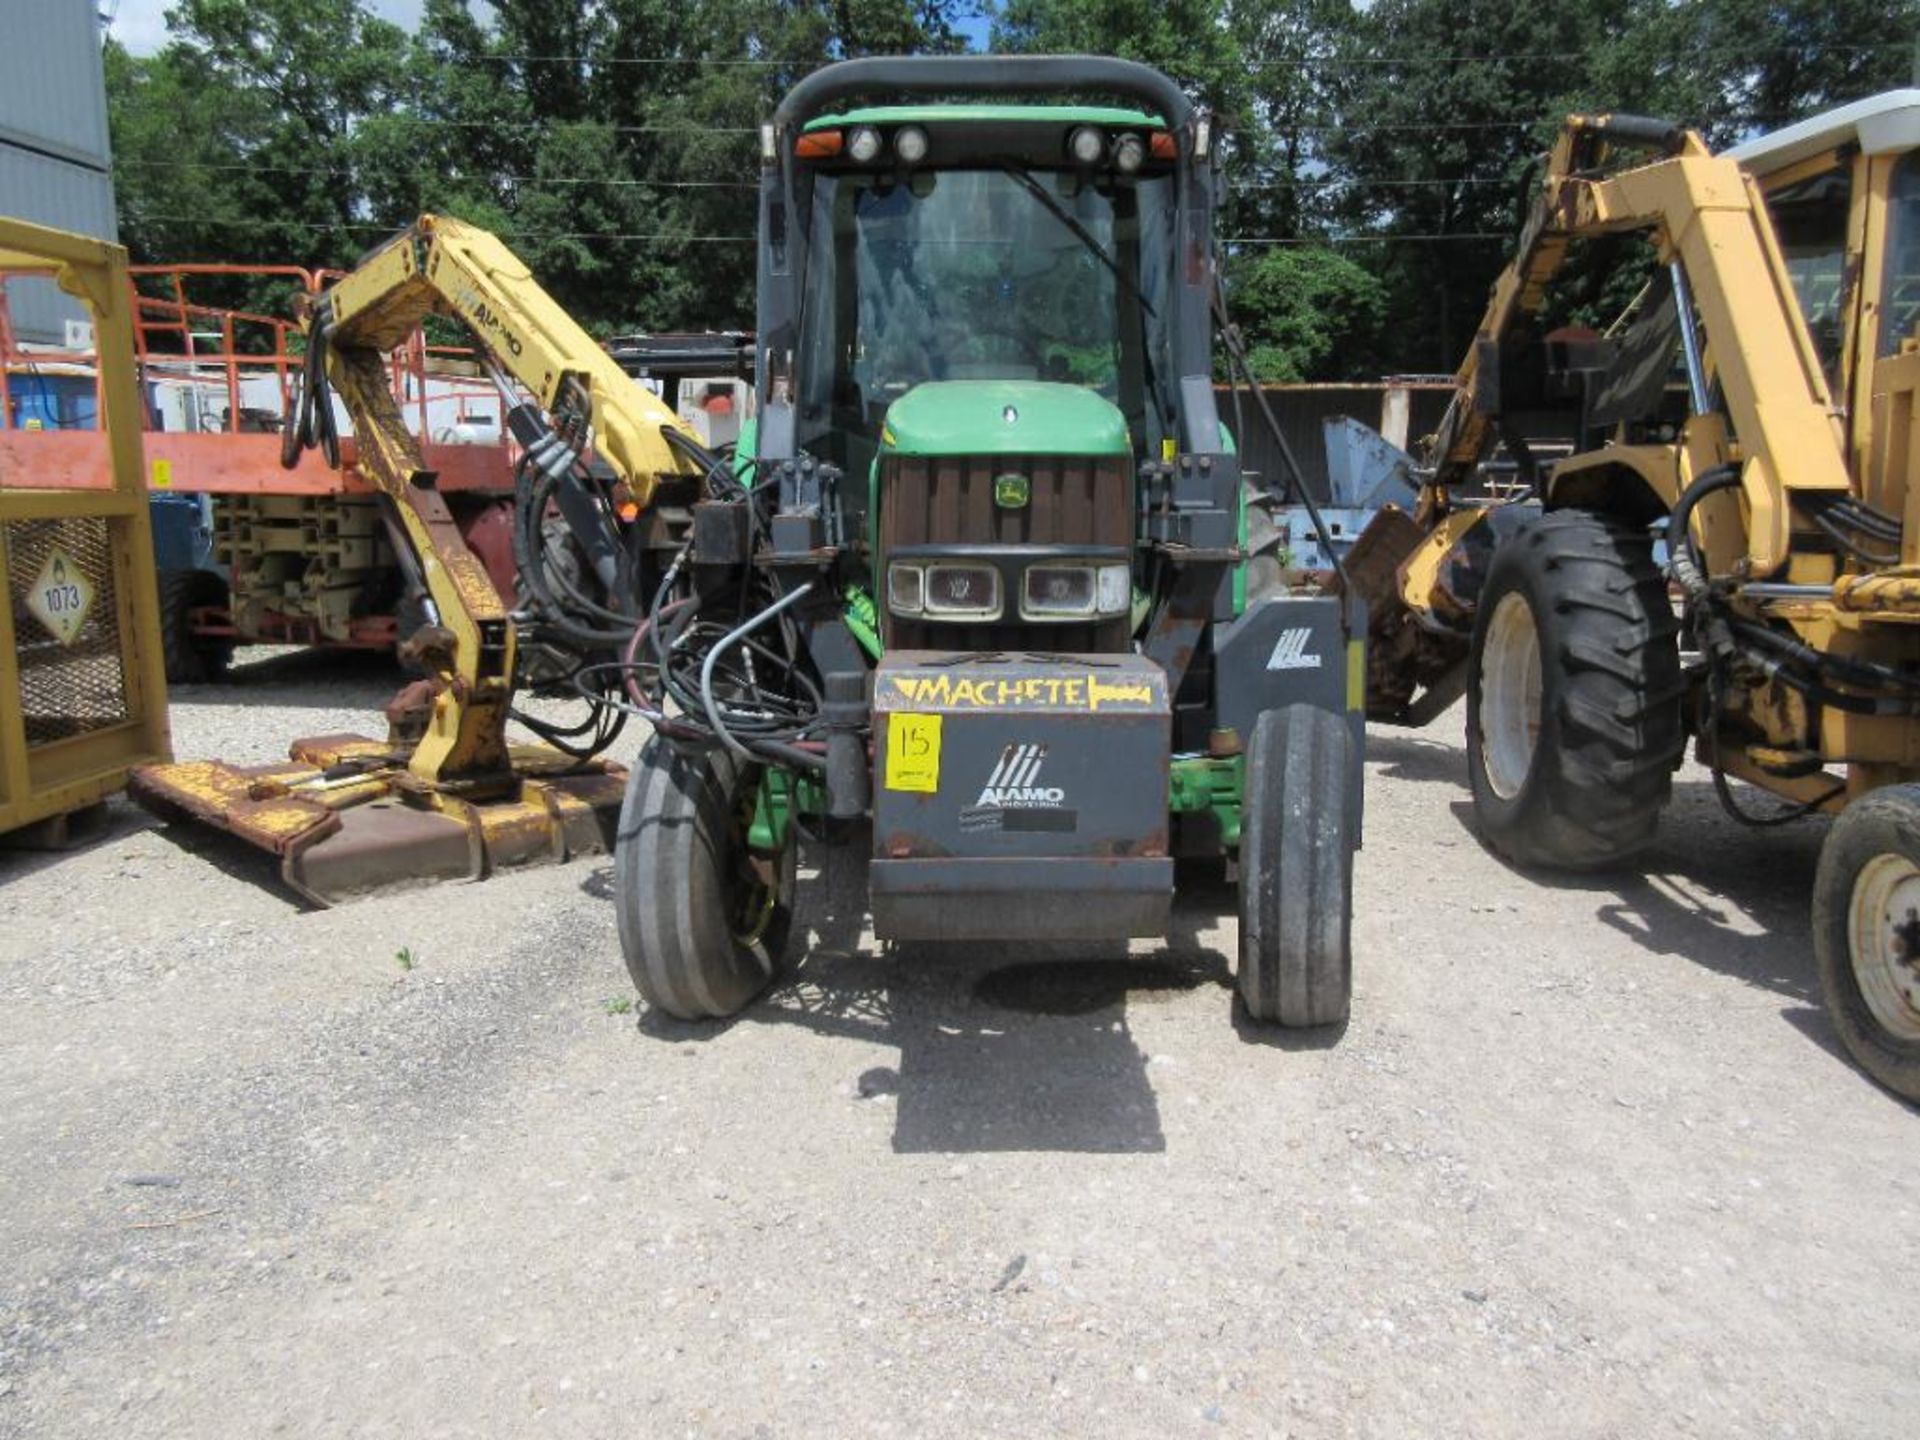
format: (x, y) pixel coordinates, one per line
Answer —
(981, 75)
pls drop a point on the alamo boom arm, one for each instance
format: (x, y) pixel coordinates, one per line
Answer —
(446, 795)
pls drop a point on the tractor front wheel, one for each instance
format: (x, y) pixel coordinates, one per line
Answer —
(1866, 934)
(1296, 869)
(704, 921)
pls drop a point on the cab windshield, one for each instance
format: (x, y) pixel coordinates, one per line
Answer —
(970, 275)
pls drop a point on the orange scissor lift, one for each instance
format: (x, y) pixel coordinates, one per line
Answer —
(299, 555)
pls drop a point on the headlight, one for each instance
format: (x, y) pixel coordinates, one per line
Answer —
(1129, 154)
(944, 590)
(1075, 592)
(904, 589)
(963, 592)
(863, 144)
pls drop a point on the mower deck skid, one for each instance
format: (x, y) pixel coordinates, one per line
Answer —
(346, 818)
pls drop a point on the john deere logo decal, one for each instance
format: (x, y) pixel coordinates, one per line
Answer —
(1011, 492)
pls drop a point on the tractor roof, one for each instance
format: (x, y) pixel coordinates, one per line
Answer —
(1879, 125)
(1038, 114)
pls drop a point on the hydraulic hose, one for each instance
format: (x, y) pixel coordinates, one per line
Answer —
(309, 422)
(727, 641)
(1680, 557)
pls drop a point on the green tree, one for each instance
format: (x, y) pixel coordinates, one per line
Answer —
(236, 136)
(1733, 67)
(1278, 185)
(1444, 102)
(1308, 313)
(1188, 39)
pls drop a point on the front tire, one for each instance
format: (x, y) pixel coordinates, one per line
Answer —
(703, 929)
(1573, 701)
(1866, 934)
(1296, 869)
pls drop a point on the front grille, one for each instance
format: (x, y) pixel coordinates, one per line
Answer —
(948, 500)
(76, 689)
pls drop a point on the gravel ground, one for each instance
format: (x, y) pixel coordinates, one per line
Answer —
(1586, 1162)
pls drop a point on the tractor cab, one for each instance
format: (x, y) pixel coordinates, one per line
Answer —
(985, 318)
(983, 336)
(1843, 190)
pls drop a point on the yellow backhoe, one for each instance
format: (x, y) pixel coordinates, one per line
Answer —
(1754, 416)
(445, 794)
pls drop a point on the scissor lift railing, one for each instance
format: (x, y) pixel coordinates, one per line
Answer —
(82, 690)
(239, 366)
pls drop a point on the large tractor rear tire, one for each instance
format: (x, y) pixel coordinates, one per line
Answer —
(1265, 546)
(1296, 869)
(1866, 934)
(191, 659)
(702, 929)
(1573, 700)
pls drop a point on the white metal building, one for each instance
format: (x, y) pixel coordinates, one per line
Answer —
(54, 157)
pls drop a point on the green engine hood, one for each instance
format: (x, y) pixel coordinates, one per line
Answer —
(1003, 417)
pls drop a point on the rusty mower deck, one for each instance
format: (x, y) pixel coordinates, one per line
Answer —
(345, 817)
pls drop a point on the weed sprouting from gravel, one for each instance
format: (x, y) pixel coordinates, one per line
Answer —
(618, 1005)
(403, 957)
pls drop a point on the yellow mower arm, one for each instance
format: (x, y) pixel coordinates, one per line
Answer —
(441, 266)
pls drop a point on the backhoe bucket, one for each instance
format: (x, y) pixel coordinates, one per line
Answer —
(346, 819)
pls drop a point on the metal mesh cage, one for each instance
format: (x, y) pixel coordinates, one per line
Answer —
(78, 687)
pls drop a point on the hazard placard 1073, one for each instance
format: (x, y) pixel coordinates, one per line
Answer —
(61, 597)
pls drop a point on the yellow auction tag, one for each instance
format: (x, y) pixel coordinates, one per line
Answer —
(913, 752)
(162, 474)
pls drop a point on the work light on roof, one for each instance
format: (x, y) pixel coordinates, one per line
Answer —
(1087, 145)
(863, 144)
(910, 144)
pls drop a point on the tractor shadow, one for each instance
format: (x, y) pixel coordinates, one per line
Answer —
(1002, 1047)
(1713, 892)
(1405, 756)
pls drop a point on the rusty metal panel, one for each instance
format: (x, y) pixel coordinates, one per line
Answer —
(990, 899)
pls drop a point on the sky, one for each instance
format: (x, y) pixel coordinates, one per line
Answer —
(141, 25)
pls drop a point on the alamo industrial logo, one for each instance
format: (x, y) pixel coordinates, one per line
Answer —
(1290, 653)
(1015, 781)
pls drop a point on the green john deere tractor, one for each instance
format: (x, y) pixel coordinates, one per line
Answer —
(986, 572)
